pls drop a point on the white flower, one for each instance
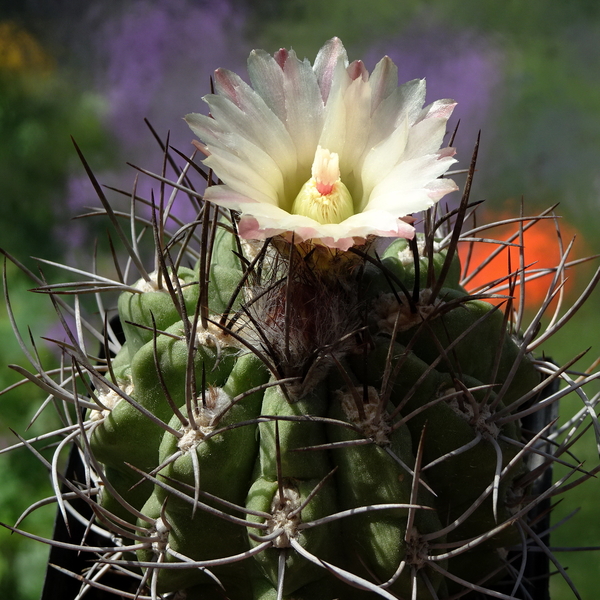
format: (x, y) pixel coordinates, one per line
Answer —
(328, 152)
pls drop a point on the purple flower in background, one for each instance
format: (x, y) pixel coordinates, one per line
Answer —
(158, 57)
(154, 61)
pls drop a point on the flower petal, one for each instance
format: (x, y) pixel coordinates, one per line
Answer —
(380, 161)
(401, 107)
(266, 77)
(357, 100)
(304, 107)
(333, 134)
(406, 190)
(257, 178)
(251, 118)
(440, 108)
(384, 80)
(262, 221)
(425, 138)
(329, 58)
(228, 198)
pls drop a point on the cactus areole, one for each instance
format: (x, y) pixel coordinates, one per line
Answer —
(307, 404)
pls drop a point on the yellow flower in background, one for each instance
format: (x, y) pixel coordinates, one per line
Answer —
(20, 52)
(328, 152)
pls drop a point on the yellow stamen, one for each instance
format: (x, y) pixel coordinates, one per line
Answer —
(324, 197)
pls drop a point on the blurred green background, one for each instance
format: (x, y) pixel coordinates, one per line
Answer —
(526, 73)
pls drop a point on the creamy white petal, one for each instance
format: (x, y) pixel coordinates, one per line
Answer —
(254, 107)
(207, 129)
(261, 163)
(226, 197)
(329, 59)
(411, 96)
(440, 108)
(377, 222)
(357, 100)
(384, 80)
(266, 77)
(262, 221)
(425, 138)
(407, 201)
(333, 134)
(268, 134)
(438, 188)
(380, 161)
(243, 176)
(407, 177)
(219, 143)
(413, 201)
(400, 107)
(262, 142)
(304, 107)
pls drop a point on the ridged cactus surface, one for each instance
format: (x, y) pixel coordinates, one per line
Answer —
(378, 448)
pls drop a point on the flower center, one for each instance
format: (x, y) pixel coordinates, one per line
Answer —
(324, 197)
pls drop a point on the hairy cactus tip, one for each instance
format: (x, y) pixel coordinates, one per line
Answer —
(301, 400)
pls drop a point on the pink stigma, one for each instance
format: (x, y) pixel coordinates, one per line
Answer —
(324, 188)
(325, 170)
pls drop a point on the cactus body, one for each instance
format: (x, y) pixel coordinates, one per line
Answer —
(248, 466)
(313, 425)
(313, 418)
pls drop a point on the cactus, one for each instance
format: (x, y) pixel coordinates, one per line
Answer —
(288, 419)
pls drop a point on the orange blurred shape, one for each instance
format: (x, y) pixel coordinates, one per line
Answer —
(541, 250)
